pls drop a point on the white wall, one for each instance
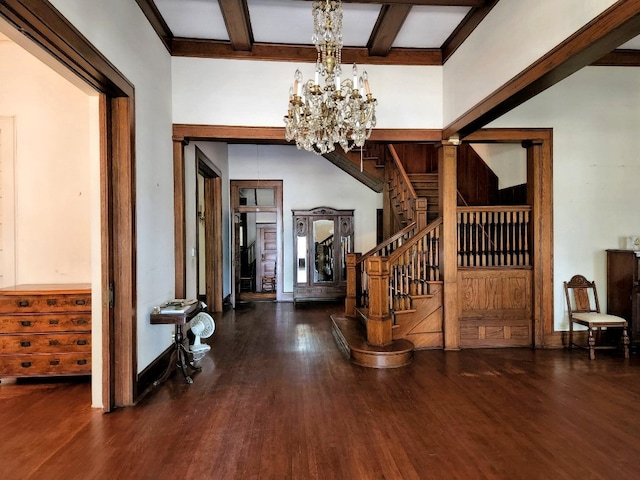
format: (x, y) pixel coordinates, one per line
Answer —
(121, 32)
(217, 153)
(595, 116)
(250, 93)
(309, 181)
(507, 160)
(52, 178)
(510, 38)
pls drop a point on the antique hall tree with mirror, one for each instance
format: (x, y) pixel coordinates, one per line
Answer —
(322, 238)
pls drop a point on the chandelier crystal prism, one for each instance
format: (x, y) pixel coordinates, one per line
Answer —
(341, 111)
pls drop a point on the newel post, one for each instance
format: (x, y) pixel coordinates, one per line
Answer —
(379, 324)
(352, 284)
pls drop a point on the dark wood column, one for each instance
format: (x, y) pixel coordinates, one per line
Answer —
(179, 217)
(447, 161)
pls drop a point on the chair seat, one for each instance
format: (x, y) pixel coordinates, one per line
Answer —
(601, 319)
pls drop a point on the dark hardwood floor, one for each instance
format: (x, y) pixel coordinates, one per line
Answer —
(276, 400)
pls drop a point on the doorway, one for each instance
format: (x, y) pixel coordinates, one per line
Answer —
(257, 240)
(208, 232)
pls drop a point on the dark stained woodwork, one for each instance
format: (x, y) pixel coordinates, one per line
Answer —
(617, 24)
(123, 249)
(180, 230)
(418, 157)
(464, 29)
(276, 400)
(495, 307)
(386, 29)
(200, 48)
(539, 145)
(156, 20)
(623, 289)
(275, 135)
(43, 24)
(619, 58)
(477, 184)
(447, 160)
(236, 19)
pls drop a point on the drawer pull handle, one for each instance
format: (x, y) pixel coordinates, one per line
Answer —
(82, 362)
(81, 302)
(25, 323)
(81, 342)
(23, 303)
(52, 301)
(82, 321)
(25, 343)
(54, 343)
(53, 321)
(54, 362)
(25, 364)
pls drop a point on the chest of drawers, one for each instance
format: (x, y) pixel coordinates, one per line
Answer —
(45, 330)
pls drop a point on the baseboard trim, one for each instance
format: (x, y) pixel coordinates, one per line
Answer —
(152, 373)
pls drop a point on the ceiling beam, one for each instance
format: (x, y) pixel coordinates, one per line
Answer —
(437, 3)
(386, 29)
(238, 23)
(189, 47)
(154, 17)
(615, 26)
(464, 29)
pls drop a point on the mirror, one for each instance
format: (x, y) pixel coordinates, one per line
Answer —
(301, 260)
(323, 245)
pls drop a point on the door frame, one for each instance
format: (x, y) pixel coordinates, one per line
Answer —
(43, 26)
(236, 209)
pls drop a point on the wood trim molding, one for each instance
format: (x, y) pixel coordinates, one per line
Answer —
(48, 29)
(387, 27)
(43, 24)
(180, 246)
(156, 20)
(276, 134)
(617, 24)
(539, 144)
(236, 19)
(191, 47)
(468, 25)
(619, 58)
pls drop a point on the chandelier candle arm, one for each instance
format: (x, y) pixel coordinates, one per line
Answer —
(319, 116)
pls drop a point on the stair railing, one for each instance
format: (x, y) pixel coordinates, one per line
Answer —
(413, 266)
(401, 192)
(493, 236)
(357, 277)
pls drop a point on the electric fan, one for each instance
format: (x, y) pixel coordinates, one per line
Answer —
(202, 326)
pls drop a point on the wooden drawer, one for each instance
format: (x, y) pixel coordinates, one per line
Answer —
(29, 303)
(42, 364)
(45, 343)
(53, 322)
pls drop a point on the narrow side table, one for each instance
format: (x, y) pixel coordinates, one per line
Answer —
(178, 316)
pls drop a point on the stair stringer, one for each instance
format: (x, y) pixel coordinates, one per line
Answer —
(422, 325)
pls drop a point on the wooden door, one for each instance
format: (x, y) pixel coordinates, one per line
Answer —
(266, 253)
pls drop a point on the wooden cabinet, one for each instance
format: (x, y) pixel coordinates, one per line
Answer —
(322, 238)
(623, 288)
(45, 330)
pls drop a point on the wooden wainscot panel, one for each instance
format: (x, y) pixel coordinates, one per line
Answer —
(494, 307)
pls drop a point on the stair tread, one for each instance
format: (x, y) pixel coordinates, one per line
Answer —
(353, 335)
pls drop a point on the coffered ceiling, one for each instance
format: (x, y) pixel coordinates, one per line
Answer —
(413, 32)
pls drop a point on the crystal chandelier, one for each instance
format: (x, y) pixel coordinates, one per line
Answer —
(341, 111)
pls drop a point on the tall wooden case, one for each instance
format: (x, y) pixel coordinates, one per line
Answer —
(623, 289)
(322, 237)
(45, 330)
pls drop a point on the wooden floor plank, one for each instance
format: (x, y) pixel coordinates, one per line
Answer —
(277, 400)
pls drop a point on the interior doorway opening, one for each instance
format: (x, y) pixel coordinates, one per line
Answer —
(257, 240)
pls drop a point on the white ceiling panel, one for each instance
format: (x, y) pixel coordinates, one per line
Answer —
(428, 26)
(193, 18)
(281, 21)
(633, 44)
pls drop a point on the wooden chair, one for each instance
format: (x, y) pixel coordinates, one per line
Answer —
(584, 309)
(269, 281)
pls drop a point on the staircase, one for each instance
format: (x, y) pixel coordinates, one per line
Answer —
(394, 292)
